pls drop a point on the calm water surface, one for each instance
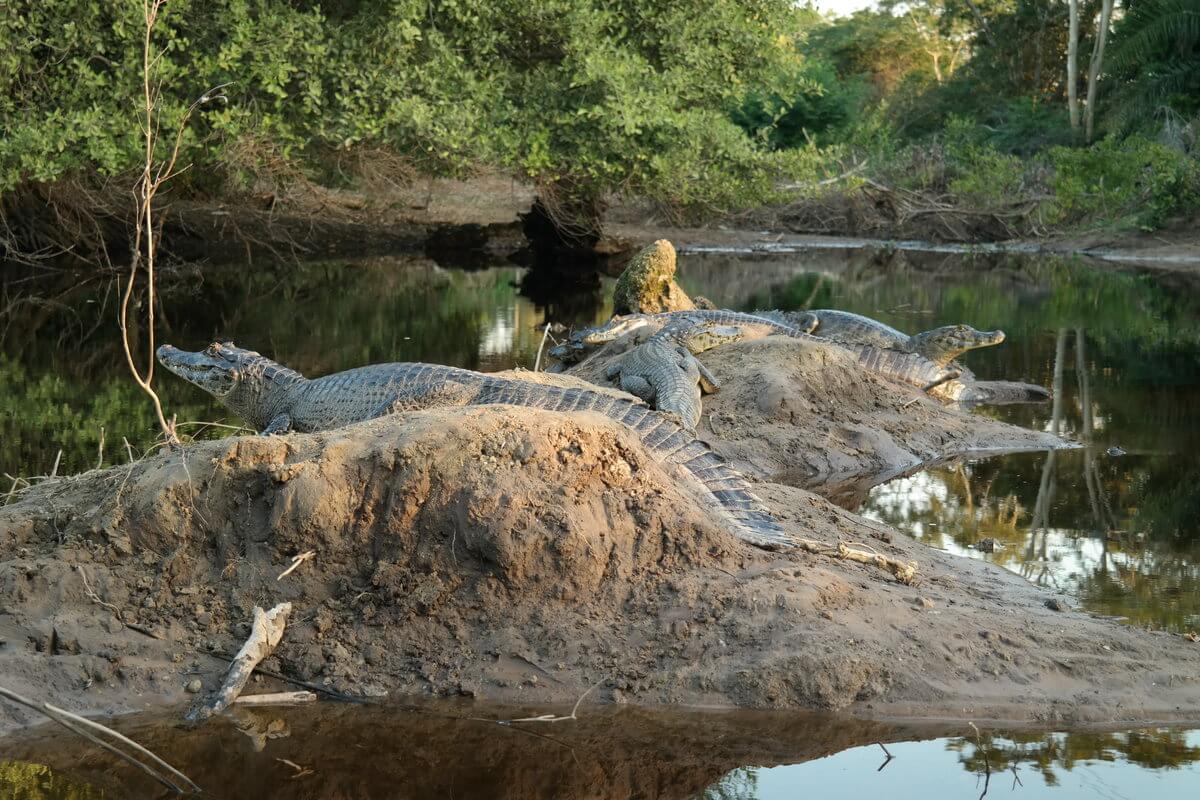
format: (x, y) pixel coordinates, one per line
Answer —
(1113, 525)
(461, 752)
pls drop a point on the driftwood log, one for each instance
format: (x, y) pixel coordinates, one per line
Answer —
(266, 632)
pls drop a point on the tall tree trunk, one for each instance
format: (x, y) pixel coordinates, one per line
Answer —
(1073, 66)
(982, 22)
(1097, 61)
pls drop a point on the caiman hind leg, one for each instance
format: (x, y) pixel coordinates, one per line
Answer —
(708, 382)
(279, 425)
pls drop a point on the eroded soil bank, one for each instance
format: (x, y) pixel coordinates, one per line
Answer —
(515, 554)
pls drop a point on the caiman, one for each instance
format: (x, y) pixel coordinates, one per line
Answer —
(751, 325)
(941, 346)
(583, 342)
(664, 370)
(907, 367)
(275, 400)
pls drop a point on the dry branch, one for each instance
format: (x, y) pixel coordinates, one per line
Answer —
(904, 571)
(296, 562)
(276, 699)
(264, 635)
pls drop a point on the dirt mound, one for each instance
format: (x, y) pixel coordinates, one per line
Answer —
(516, 554)
(806, 414)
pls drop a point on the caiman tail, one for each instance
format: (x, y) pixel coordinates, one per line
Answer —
(1002, 392)
(666, 440)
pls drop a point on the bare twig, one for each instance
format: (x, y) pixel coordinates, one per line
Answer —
(987, 764)
(300, 771)
(57, 461)
(276, 699)
(551, 717)
(100, 450)
(904, 571)
(537, 363)
(296, 561)
(87, 588)
(887, 760)
(154, 175)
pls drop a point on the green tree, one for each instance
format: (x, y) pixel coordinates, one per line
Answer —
(1156, 60)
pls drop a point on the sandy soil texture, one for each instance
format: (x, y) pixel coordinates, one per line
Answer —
(517, 554)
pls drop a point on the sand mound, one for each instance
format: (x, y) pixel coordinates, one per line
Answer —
(516, 554)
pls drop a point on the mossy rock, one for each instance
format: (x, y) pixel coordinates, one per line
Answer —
(647, 286)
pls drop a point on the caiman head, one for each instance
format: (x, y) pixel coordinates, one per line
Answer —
(614, 329)
(943, 345)
(241, 379)
(706, 336)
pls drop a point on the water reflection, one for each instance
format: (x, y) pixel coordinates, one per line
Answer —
(453, 750)
(1138, 570)
(1130, 764)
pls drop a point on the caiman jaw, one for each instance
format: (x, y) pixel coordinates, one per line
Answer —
(614, 330)
(206, 369)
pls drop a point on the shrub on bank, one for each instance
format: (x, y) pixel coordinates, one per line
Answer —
(1133, 180)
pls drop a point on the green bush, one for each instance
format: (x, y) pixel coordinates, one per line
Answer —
(590, 97)
(1132, 179)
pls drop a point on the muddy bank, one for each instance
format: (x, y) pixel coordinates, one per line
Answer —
(515, 554)
(805, 414)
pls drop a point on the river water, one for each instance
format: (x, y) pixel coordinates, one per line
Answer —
(1113, 525)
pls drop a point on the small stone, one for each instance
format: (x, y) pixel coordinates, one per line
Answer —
(924, 602)
(194, 686)
(373, 655)
(204, 620)
(1057, 604)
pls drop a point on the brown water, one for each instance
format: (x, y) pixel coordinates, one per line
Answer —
(460, 751)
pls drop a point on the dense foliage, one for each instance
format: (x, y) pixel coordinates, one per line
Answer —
(704, 105)
(582, 97)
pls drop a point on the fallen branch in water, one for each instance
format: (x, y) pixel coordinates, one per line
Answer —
(76, 724)
(549, 717)
(313, 687)
(264, 635)
(904, 571)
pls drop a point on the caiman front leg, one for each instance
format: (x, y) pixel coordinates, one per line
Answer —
(636, 385)
(708, 382)
(281, 424)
